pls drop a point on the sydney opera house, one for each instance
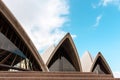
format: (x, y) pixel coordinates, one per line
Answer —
(20, 60)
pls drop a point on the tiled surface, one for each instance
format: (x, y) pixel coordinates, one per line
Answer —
(4, 75)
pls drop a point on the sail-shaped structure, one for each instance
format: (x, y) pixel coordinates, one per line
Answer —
(20, 60)
(86, 61)
(64, 57)
(100, 66)
(17, 51)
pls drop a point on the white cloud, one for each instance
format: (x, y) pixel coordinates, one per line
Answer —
(98, 18)
(74, 36)
(106, 2)
(116, 74)
(42, 19)
(110, 2)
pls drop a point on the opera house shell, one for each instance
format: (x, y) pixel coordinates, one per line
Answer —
(20, 60)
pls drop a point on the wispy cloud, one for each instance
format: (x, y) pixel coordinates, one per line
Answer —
(98, 18)
(42, 19)
(116, 74)
(106, 3)
(74, 36)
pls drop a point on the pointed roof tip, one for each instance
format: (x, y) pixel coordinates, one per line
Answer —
(99, 52)
(67, 34)
(87, 53)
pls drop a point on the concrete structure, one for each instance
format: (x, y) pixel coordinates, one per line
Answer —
(45, 56)
(100, 65)
(86, 61)
(64, 57)
(11, 30)
(20, 60)
(97, 65)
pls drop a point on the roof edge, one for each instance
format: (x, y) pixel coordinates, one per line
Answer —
(7, 13)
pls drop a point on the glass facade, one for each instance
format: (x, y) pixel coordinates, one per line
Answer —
(7, 45)
(61, 61)
(100, 67)
(62, 64)
(14, 53)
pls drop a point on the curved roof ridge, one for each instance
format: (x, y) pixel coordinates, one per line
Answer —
(67, 36)
(86, 61)
(19, 29)
(90, 56)
(45, 56)
(99, 55)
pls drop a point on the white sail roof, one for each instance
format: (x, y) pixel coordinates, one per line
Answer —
(86, 61)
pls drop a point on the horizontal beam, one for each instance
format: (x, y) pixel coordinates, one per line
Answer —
(11, 67)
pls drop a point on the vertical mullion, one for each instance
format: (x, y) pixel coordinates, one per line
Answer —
(15, 40)
(19, 44)
(13, 60)
(25, 64)
(30, 62)
(6, 31)
(12, 34)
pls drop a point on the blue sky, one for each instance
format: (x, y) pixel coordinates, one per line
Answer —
(93, 24)
(103, 36)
